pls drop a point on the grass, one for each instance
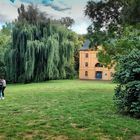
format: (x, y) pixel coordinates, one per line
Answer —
(64, 110)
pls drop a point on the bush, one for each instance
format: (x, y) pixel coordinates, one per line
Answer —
(127, 93)
(2, 69)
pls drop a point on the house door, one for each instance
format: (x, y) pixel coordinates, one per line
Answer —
(98, 74)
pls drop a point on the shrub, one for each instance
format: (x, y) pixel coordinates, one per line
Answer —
(127, 93)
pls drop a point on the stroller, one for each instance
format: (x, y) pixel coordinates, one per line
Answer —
(1, 85)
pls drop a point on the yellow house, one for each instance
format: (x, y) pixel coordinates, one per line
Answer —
(89, 67)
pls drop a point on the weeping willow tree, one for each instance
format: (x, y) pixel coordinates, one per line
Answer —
(42, 49)
(40, 52)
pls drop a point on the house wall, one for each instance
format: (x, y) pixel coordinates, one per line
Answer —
(91, 69)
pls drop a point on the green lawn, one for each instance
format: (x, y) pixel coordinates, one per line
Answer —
(64, 110)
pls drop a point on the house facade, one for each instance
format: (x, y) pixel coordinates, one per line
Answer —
(90, 68)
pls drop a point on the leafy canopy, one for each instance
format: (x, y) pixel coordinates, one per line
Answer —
(127, 93)
(41, 49)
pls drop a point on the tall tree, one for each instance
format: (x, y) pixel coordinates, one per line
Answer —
(32, 15)
(112, 14)
(104, 14)
(110, 17)
(40, 51)
(67, 21)
(110, 20)
(131, 13)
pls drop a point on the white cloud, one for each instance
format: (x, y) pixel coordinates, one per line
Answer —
(8, 12)
(81, 25)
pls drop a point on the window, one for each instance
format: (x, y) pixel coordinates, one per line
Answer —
(86, 64)
(111, 74)
(98, 65)
(86, 73)
(86, 55)
(105, 74)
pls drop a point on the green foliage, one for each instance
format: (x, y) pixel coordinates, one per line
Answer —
(78, 41)
(5, 33)
(41, 48)
(67, 21)
(110, 19)
(4, 43)
(40, 52)
(2, 70)
(127, 94)
(121, 21)
(7, 29)
(32, 15)
(113, 48)
(112, 14)
(131, 12)
(104, 14)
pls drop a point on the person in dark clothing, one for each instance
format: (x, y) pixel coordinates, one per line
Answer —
(1, 87)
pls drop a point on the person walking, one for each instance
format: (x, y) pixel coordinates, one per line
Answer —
(3, 87)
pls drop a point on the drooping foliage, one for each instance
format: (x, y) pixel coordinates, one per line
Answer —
(40, 53)
(5, 37)
(127, 93)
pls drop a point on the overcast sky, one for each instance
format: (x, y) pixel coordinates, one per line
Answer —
(55, 8)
